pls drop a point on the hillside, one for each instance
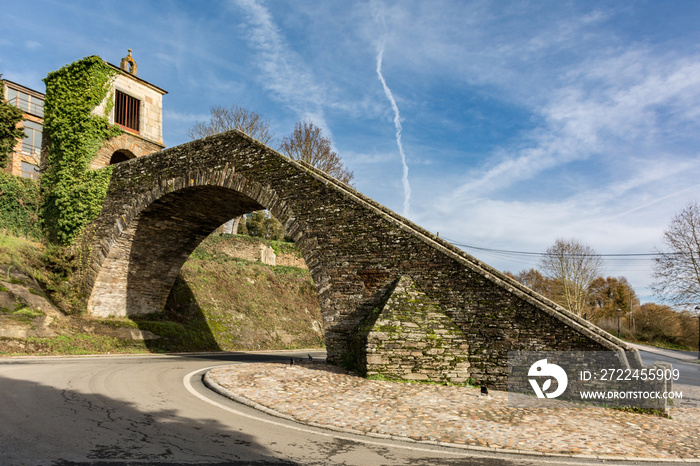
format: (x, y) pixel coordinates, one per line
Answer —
(219, 302)
(248, 304)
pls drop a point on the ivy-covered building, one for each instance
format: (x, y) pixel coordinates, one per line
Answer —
(96, 115)
(25, 158)
(136, 107)
(92, 115)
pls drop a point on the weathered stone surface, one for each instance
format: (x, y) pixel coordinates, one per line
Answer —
(39, 327)
(159, 207)
(24, 295)
(431, 346)
(130, 145)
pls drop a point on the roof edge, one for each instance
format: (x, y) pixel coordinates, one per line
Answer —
(143, 81)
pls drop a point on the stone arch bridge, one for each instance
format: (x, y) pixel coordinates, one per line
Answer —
(159, 207)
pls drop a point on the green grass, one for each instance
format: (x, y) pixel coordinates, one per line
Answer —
(26, 313)
(218, 303)
(84, 344)
(178, 337)
(22, 313)
(660, 344)
(18, 254)
(118, 322)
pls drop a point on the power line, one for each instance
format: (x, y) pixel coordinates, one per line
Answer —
(506, 252)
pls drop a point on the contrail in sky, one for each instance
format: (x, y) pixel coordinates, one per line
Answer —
(397, 124)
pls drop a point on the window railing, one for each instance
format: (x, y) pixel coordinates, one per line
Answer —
(31, 171)
(27, 106)
(31, 149)
(126, 111)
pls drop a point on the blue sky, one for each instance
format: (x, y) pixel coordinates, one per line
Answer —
(521, 122)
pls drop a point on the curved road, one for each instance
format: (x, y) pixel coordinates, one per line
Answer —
(689, 370)
(137, 410)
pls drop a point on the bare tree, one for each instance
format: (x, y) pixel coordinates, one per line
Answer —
(234, 117)
(677, 270)
(307, 143)
(573, 266)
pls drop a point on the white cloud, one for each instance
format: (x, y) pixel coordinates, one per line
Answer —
(285, 74)
(621, 113)
(617, 115)
(397, 125)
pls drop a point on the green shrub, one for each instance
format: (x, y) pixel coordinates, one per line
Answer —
(10, 116)
(19, 206)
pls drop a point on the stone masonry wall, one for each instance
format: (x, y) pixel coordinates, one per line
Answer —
(258, 252)
(150, 109)
(159, 207)
(413, 339)
(130, 143)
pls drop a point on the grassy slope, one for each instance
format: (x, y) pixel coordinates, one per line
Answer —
(17, 252)
(217, 303)
(238, 304)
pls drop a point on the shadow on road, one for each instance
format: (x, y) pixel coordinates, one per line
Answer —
(49, 426)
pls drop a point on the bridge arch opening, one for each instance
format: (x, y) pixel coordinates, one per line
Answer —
(149, 253)
(163, 236)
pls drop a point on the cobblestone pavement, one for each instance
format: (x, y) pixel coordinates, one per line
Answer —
(325, 396)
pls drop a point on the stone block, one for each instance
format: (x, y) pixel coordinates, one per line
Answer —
(415, 376)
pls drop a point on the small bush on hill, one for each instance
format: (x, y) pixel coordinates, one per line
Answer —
(19, 206)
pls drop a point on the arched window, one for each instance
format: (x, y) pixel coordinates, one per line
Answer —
(121, 156)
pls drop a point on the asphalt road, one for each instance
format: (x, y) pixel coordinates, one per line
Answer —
(689, 371)
(137, 410)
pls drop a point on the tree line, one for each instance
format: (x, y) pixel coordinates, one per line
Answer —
(571, 274)
(306, 142)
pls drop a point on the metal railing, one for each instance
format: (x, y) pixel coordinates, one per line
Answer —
(27, 106)
(126, 111)
(31, 149)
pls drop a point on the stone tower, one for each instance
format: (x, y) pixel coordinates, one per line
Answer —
(138, 110)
